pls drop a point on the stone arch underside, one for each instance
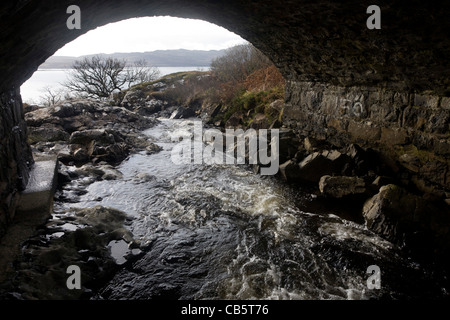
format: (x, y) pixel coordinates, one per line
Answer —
(345, 83)
(320, 41)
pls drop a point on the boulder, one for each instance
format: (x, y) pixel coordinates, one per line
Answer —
(152, 148)
(391, 212)
(150, 107)
(290, 171)
(65, 110)
(83, 137)
(313, 145)
(182, 113)
(364, 161)
(133, 98)
(318, 164)
(341, 186)
(81, 155)
(46, 134)
(407, 219)
(40, 116)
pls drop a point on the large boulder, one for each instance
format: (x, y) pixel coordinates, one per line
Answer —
(341, 186)
(40, 116)
(407, 219)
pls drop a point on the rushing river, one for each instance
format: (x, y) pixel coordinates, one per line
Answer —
(224, 232)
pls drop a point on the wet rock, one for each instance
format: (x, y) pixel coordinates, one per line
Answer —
(110, 173)
(65, 110)
(152, 148)
(436, 171)
(144, 177)
(390, 211)
(209, 111)
(290, 171)
(318, 164)
(182, 113)
(99, 172)
(341, 186)
(407, 219)
(79, 237)
(81, 155)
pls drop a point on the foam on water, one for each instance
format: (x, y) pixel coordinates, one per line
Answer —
(240, 233)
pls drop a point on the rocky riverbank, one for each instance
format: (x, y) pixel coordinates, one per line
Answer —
(363, 181)
(90, 138)
(82, 131)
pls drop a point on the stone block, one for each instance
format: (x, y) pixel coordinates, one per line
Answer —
(341, 186)
(364, 131)
(394, 136)
(36, 201)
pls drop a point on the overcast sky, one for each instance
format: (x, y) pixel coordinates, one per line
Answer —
(149, 34)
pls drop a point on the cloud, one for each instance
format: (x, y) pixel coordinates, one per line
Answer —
(149, 34)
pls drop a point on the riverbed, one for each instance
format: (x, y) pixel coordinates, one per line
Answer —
(226, 232)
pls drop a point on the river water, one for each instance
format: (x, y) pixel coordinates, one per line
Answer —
(224, 232)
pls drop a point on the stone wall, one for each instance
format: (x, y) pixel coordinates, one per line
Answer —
(410, 130)
(15, 155)
(324, 41)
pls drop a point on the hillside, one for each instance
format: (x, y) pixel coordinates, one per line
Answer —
(158, 58)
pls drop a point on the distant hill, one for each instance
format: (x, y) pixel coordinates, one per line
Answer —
(158, 58)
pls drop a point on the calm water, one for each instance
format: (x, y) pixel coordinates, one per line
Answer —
(33, 89)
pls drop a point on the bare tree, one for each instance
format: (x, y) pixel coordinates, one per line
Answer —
(238, 63)
(52, 96)
(141, 72)
(98, 77)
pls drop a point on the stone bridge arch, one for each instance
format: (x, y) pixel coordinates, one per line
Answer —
(344, 81)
